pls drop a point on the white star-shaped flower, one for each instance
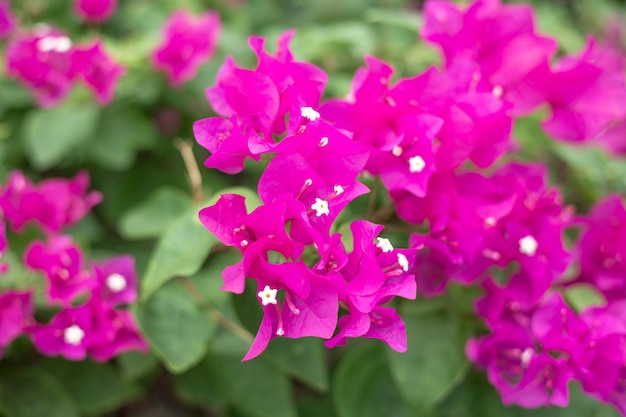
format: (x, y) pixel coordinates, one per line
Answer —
(416, 164)
(528, 245)
(73, 335)
(321, 207)
(115, 282)
(268, 296)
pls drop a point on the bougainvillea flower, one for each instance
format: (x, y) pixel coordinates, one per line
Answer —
(382, 323)
(42, 61)
(16, 315)
(114, 331)
(522, 374)
(602, 368)
(68, 334)
(587, 93)
(294, 317)
(52, 204)
(95, 11)
(98, 70)
(62, 262)
(228, 145)
(510, 58)
(602, 248)
(188, 41)
(117, 280)
(7, 19)
(261, 98)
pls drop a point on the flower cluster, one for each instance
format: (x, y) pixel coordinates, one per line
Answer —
(188, 42)
(48, 63)
(305, 187)
(91, 318)
(538, 344)
(440, 142)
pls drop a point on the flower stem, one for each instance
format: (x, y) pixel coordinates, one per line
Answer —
(193, 173)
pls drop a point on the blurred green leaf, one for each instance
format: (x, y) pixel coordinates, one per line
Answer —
(177, 329)
(301, 358)
(122, 131)
(581, 296)
(152, 216)
(136, 365)
(96, 388)
(29, 392)
(400, 18)
(254, 388)
(434, 362)
(363, 386)
(52, 134)
(184, 246)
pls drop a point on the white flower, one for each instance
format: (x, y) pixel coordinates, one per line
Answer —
(268, 296)
(321, 207)
(338, 189)
(528, 245)
(115, 282)
(73, 335)
(416, 164)
(397, 151)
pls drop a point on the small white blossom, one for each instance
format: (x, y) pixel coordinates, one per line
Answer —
(528, 245)
(490, 222)
(54, 43)
(526, 356)
(309, 113)
(73, 335)
(416, 164)
(404, 262)
(384, 244)
(497, 91)
(268, 296)
(397, 151)
(338, 189)
(321, 207)
(115, 282)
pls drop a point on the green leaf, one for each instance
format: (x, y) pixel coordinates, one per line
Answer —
(301, 358)
(399, 18)
(136, 365)
(581, 296)
(178, 331)
(31, 392)
(52, 134)
(434, 362)
(254, 388)
(96, 388)
(152, 217)
(122, 131)
(184, 246)
(363, 386)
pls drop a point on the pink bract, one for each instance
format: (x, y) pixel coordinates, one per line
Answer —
(188, 41)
